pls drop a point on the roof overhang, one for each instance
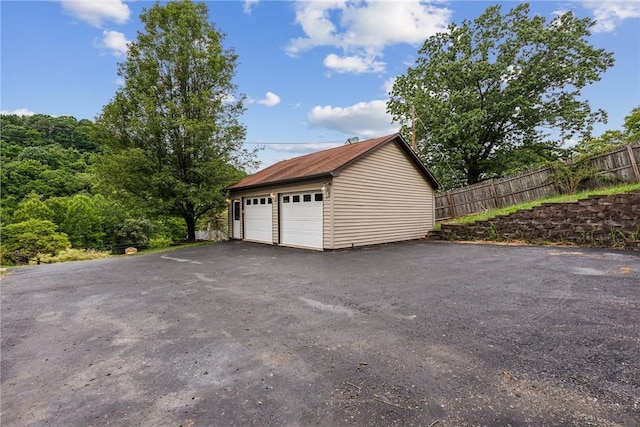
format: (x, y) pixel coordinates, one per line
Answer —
(282, 182)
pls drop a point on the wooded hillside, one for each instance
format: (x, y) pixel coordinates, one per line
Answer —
(50, 198)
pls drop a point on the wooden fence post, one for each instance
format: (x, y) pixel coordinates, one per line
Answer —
(452, 211)
(634, 164)
(494, 193)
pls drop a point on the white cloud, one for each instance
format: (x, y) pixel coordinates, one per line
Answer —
(18, 112)
(248, 5)
(404, 22)
(356, 29)
(611, 13)
(368, 119)
(95, 12)
(353, 64)
(270, 100)
(316, 24)
(114, 41)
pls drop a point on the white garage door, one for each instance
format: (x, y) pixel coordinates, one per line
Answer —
(258, 219)
(301, 220)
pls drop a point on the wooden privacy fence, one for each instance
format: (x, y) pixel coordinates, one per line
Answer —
(620, 163)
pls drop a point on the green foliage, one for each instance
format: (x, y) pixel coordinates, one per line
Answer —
(160, 242)
(174, 133)
(593, 146)
(632, 125)
(83, 223)
(74, 255)
(567, 177)
(47, 155)
(46, 175)
(133, 232)
(171, 227)
(32, 237)
(59, 206)
(494, 86)
(32, 207)
(612, 138)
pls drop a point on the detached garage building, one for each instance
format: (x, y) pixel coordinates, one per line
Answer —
(363, 193)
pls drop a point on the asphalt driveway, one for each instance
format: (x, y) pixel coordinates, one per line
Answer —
(421, 333)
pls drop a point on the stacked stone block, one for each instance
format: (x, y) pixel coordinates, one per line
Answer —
(600, 221)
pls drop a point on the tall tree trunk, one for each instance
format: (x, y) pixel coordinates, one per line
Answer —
(473, 173)
(191, 227)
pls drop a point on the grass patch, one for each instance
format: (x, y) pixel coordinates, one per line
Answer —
(566, 198)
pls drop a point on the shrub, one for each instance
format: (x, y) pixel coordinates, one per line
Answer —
(568, 177)
(32, 237)
(160, 242)
(133, 232)
(74, 255)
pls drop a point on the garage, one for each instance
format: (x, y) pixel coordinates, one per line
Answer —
(301, 220)
(258, 224)
(361, 193)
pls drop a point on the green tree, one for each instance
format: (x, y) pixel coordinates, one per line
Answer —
(83, 223)
(19, 178)
(47, 155)
(32, 237)
(499, 84)
(632, 125)
(612, 138)
(31, 207)
(176, 116)
(59, 206)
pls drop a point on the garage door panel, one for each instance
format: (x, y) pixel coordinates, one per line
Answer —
(301, 221)
(258, 214)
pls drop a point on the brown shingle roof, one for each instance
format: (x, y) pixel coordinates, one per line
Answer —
(321, 164)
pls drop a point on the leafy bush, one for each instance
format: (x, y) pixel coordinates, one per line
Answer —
(160, 242)
(74, 255)
(31, 238)
(171, 227)
(134, 232)
(567, 177)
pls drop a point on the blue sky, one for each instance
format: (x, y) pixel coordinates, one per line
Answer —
(315, 73)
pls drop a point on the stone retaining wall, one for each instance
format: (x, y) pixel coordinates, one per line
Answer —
(600, 221)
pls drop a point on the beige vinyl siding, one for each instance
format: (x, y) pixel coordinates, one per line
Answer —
(292, 188)
(381, 198)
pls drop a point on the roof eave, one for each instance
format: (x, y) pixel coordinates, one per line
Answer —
(281, 182)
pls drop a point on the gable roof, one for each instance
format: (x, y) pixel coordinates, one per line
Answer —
(326, 163)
